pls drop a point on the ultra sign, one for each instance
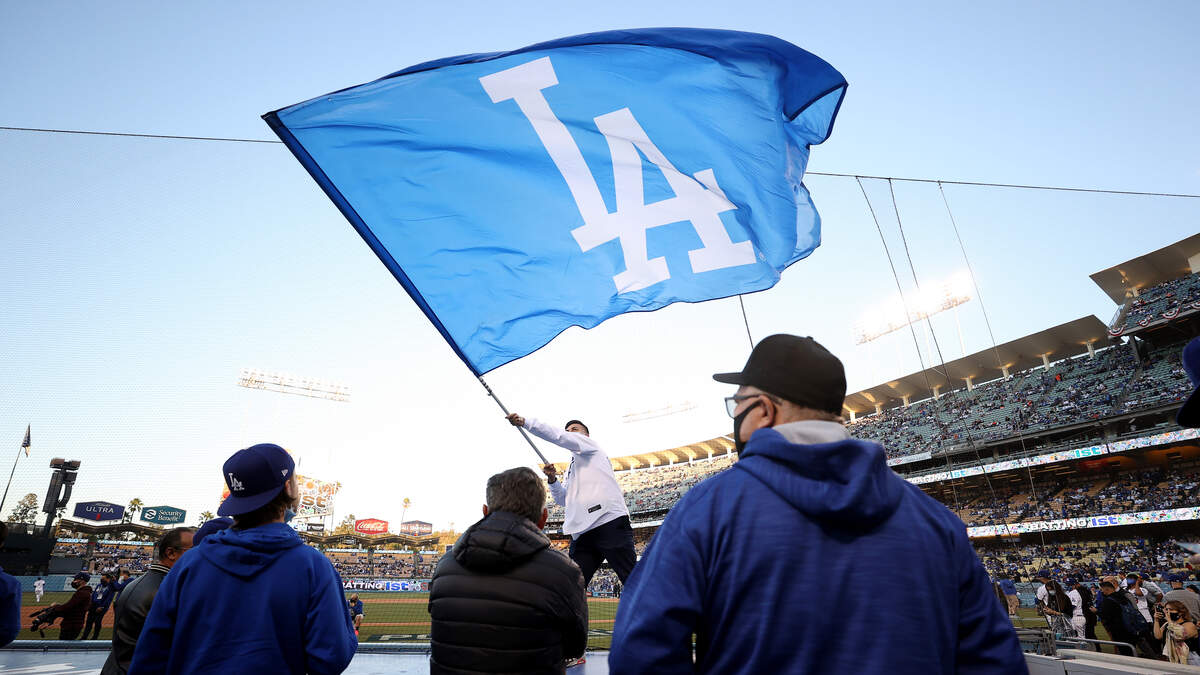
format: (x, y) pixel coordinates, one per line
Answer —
(99, 511)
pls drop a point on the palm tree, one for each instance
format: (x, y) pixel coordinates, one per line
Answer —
(135, 505)
(206, 516)
(407, 502)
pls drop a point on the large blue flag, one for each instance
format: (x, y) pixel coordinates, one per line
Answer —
(516, 194)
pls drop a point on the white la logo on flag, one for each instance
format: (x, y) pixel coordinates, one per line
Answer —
(235, 485)
(698, 200)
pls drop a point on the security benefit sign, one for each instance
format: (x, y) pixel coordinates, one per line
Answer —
(163, 515)
(371, 526)
(99, 511)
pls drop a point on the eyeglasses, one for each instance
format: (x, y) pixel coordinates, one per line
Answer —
(731, 402)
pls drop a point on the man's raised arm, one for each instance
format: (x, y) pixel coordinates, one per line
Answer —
(578, 444)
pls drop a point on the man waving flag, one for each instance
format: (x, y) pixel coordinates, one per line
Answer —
(516, 194)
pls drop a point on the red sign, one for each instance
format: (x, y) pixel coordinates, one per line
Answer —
(371, 526)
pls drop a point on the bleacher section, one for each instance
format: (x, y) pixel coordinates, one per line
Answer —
(1075, 390)
(1088, 560)
(1162, 301)
(657, 489)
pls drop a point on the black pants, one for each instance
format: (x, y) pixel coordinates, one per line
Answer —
(1089, 625)
(94, 618)
(68, 633)
(612, 541)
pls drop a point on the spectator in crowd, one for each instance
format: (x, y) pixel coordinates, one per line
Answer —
(133, 604)
(123, 580)
(1087, 602)
(102, 597)
(74, 611)
(1056, 603)
(1118, 613)
(1175, 628)
(10, 599)
(1189, 413)
(597, 518)
(252, 598)
(1179, 594)
(355, 607)
(835, 511)
(503, 600)
(210, 527)
(1145, 593)
(1010, 594)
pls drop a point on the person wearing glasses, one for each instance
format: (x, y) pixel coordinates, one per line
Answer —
(597, 518)
(806, 506)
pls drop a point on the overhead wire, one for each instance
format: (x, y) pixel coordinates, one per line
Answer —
(913, 331)
(939, 181)
(995, 349)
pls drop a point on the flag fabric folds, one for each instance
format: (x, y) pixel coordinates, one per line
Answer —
(516, 194)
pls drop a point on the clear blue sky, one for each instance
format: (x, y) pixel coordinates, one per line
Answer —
(138, 276)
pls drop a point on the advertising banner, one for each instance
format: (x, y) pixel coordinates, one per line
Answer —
(908, 459)
(1085, 452)
(390, 585)
(1086, 522)
(416, 528)
(371, 526)
(316, 497)
(315, 527)
(99, 511)
(162, 515)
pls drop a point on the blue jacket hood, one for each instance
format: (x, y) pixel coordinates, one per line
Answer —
(846, 481)
(247, 553)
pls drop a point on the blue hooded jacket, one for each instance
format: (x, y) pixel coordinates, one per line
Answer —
(811, 559)
(248, 601)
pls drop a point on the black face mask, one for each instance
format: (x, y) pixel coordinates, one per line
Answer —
(738, 444)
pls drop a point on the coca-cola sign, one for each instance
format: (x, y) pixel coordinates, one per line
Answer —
(371, 526)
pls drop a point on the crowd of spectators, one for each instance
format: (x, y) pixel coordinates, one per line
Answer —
(1083, 559)
(1145, 490)
(1072, 391)
(136, 556)
(1165, 298)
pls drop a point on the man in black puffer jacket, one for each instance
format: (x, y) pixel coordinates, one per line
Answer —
(502, 600)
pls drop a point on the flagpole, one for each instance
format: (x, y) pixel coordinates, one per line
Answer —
(10, 477)
(506, 413)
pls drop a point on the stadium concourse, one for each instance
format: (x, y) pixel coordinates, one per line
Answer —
(1058, 450)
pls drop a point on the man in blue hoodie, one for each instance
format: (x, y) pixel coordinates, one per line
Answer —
(736, 562)
(252, 598)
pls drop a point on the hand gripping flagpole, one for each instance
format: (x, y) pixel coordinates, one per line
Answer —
(506, 413)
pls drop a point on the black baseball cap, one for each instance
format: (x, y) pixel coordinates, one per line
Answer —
(255, 476)
(796, 369)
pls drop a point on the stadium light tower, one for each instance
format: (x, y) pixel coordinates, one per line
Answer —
(934, 298)
(253, 378)
(59, 492)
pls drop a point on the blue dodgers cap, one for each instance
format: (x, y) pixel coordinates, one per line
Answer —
(254, 477)
(83, 575)
(1189, 412)
(211, 527)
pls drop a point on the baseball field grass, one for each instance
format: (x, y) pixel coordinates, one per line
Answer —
(404, 618)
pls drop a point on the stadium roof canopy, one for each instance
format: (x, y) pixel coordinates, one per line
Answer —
(703, 450)
(1165, 264)
(1060, 342)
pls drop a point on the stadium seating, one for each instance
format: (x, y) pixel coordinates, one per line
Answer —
(1072, 391)
(1152, 303)
(1088, 560)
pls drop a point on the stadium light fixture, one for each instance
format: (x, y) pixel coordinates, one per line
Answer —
(671, 409)
(253, 378)
(932, 299)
